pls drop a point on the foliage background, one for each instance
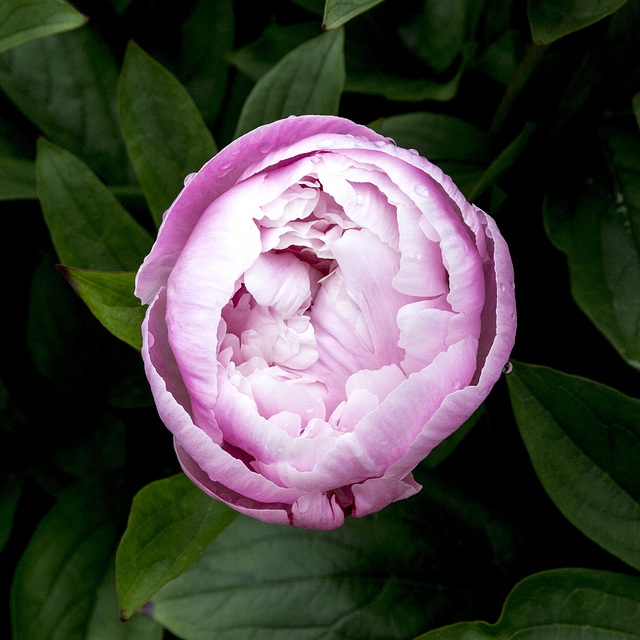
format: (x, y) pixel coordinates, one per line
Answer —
(533, 108)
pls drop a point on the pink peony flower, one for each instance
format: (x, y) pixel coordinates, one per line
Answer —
(325, 308)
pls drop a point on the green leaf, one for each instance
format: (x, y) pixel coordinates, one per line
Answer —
(165, 134)
(636, 107)
(59, 579)
(88, 226)
(561, 603)
(10, 491)
(337, 12)
(17, 179)
(23, 20)
(308, 80)
(592, 213)
(111, 298)
(504, 161)
(583, 439)
(553, 19)
(387, 576)
(66, 85)
(171, 523)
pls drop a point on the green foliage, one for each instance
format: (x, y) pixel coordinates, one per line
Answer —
(23, 20)
(170, 524)
(592, 213)
(62, 586)
(584, 441)
(165, 134)
(308, 80)
(368, 579)
(553, 19)
(337, 12)
(88, 226)
(111, 298)
(562, 603)
(17, 179)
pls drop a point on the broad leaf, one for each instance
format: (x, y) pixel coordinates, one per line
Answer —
(308, 80)
(66, 85)
(369, 579)
(337, 12)
(17, 179)
(592, 213)
(10, 491)
(165, 134)
(23, 20)
(171, 523)
(584, 442)
(553, 19)
(562, 603)
(57, 589)
(89, 227)
(111, 298)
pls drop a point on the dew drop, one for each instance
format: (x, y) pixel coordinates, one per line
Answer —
(414, 152)
(503, 287)
(291, 117)
(418, 255)
(189, 178)
(508, 368)
(380, 143)
(325, 143)
(359, 198)
(309, 408)
(421, 190)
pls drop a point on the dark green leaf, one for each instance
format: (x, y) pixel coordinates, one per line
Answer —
(207, 35)
(10, 490)
(120, 5)
(171, 523)
(23, 20)
(66, 85)
(60, 577)
(337, 12)
(308, 80)
(562, 603)
(373, 578)
(438, 33)
(503, 162)
(636, 107)
(165, 134)
(256, 58)
(584, 441)
(592, 213)
(111, 298)
(17, 179)
(553, 19)
(88, 226)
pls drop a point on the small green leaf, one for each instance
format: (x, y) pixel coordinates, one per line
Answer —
(89, 227)
(23, 20)
(592, 213)
(171, 523)
(111, 298)
(561, 603)
(17, 179)
(58, 578)
(337, 12)
(553, 19)
(308, 80)
(164, 132)
(583, 439)
(66, 85)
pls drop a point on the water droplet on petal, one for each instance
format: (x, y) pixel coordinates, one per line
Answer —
(503, 287)
(380, 143)
(326, 143)
(291, 117)
(421, 190)
(414, 152)
(309, 409)
(418, 255)
(508, 368)
(189, 178)
(359, 198)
